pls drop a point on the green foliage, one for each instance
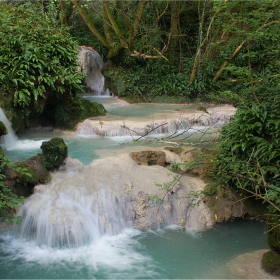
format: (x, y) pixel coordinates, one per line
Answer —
(9, 201)
(69, 113)
(249, 154)
(38, 59)
(155, 78)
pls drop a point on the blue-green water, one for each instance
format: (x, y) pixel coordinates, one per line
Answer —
(170, 253)
(141, 110)
(173, 253)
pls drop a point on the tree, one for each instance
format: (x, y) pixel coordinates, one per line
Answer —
(111, 26)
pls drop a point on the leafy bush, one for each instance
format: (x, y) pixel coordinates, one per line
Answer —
(249, 154)
(38, 59)
(9, 201)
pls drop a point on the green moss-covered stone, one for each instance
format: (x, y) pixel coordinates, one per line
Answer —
(3, 129)
(69, 113)
(34, 173)
(271, 263)
(202, 108)
(55, 152)
(273, 234)
(22, 177)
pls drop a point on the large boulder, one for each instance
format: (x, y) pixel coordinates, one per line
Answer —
(271, 263)
(271, 259)
(25, 175)
(55, 152)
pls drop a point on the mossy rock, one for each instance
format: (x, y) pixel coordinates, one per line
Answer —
(55, 152)
(3, 129)
(271, 263)
(35, 173)
(273, 235)
(69, 113)
(25, 175)
(202, 108)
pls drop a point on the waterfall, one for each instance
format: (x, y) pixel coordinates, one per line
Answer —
(91, 65)
(7, 141)
(74, 212)
(116, 128)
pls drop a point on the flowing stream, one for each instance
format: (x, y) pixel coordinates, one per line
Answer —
(79, 228)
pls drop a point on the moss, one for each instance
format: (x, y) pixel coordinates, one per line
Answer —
(271, 263)
(3, 129)
(55, 152)
(35, 173)
(201, 108)
(273, 235)
(210, 189)
(69, 113)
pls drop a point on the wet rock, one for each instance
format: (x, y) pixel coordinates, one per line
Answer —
(227, 205)
(193, 159)
(149, 157)
(23, 180)
(3, 129)
(271, 263)
(55, 152)
(23, 176)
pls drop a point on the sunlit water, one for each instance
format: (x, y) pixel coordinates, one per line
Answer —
(172, 253)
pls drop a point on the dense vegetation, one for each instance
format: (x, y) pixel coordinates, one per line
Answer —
(178, 51)
(38, 63)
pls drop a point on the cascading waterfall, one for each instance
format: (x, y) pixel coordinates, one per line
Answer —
(7, 141)
(72, 213)
(119, 129)
(91, 64)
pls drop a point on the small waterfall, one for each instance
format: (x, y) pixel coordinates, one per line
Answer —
(74, 212)
(130, 128)
(91, 64)
(7, 141)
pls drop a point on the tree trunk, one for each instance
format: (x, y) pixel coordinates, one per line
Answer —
(114, 25)
(174, 29)
(88, 22)
(138, 17)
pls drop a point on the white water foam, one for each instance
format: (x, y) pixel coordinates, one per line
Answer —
(7, 141)
(28, 144)
(91, 64)
(118, 252)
